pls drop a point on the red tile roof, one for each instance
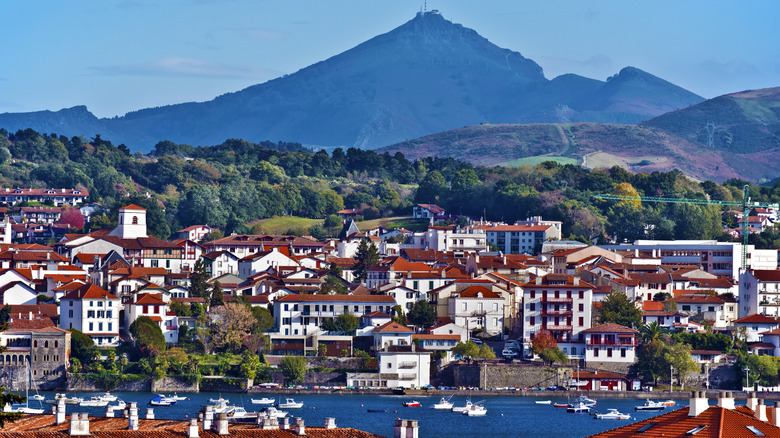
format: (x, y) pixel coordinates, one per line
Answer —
(89, 291)
(132, 207)
(292, 298)
(766, 275)
(609, 327)
(474, 291)
(757, 319)
(393, 327)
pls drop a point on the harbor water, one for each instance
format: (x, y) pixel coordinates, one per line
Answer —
(506, 416)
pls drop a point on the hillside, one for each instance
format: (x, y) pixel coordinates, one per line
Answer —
(746, 132)
(427, 75)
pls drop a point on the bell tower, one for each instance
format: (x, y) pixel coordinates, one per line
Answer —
(132, 222)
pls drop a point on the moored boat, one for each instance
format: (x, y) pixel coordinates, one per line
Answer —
(650, 406)
(612, 414)
(411, 404)
(290, 404)
(263, 401)
(668, 403)
(578, 408)
(544, 402)
(475, 411)
(159, 400)
(444, 403)
(107, 397)
(273, 412)
(94, 401)
(462, 408)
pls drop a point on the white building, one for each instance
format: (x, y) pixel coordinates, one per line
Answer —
(94, 312)
(520, 239)
(759, 292)
(610, 343)
(756, 326)
(477, 308)
(303, 314)
(153, 306)
(263, 260)
(391, 333)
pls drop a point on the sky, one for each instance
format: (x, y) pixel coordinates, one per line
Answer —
(119, 56)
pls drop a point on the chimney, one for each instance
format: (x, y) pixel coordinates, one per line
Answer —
(776, 415)
(405, 429)
(285, 424)
(59, 415)
(149, 414)
(752, 401)
(109, 411)
(298, 427)
(576, 281)
(79, 424)
(538, 279)
(222, 424)
(132, 418)
(208, 418)
(726, 400)
(269, 423)
(760, 411)
(330, 423)
(698, 403)
(192, 429)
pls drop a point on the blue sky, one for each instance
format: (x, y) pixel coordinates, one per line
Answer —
(119, 56)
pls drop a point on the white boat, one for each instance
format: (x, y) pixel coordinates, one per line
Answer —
(263, 401)
(612, 414)
(475, 411)
(462, 408)
(240, 412)
(159, 400)
(37, 397)
(68, 400)
(543, 402)
(589, 402)
(26, 409)
(578, 408)
(444, 403)
(219, 400)
(94, 401)
(273, 412)
(178, 397)
(290, 404)
(21, 409)
(650, 405)
(107, 397)
(119, 405)
(221, 407)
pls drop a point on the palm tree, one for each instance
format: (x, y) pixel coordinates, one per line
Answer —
(650, 332)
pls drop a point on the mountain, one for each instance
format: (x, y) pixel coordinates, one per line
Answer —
(426, 76)
(745, 130)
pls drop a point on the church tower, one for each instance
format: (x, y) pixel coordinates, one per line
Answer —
(132, 222)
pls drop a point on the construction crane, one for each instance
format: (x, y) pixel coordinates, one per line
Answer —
(746, 205)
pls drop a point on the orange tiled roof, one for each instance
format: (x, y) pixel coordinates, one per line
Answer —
(89, 291)
(393, 327)
(609, 327)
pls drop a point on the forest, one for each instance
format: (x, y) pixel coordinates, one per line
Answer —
(230, 185)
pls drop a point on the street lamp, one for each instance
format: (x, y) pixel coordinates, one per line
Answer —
(671, 378)
(747, 379)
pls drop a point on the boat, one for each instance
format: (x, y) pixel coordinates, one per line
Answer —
(119, 405)
(475, 411)
(68, 400)
(444, 403)
(462, 408)
(94, 402)
(273, 412)
(221, 407)
(240, 412)
(651, 406)
(589, 402)
(263, 401)
(289, 404)
(219, 400)
(107, 397)
(37, 397)
(21, 409)
(178, 397)
(561, 405)
(411, 404)
(668, 403)
(544, 402)
(612, 414)
(159, 400)
(578, 408)
(26, 409)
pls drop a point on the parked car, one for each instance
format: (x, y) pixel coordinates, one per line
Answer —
(476, 341)
(510, 353)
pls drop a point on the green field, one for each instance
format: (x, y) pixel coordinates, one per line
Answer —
(280, 224)
(394, 222)
(533, 161)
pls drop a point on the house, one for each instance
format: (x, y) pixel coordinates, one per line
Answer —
(93, 311)
(477, 308)
(17, 292)
(57, 197)
(194, 233)
(753, 326)
(707, 356)
(759, 292)
(708, 308)
(219, 263)
(404, 366)
(666, 319)
(261, 261)
(440, 298)
(391, 333)
(427, 211)
(242, 245)
(699, 417)
(520, 239)
(303, 314)
(600, 381)
(610, 342)
(40, 215)
(153, 306)
(191, 251)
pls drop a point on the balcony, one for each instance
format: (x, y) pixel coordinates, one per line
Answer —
(556, 312)
(407, 365)
(557, 328)
(615, 343)
(562, 300)
(407, 376)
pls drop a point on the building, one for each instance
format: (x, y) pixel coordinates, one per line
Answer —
(297, 315)
(560, 304)
(153, 306)
(759, 292)
(520, 239)
(477, 308)
(600, 381)
(427, 211)
(699, 418)
(243, 245)
(610, 343)
(94, 312)
(56, 196)
(195, 232)
(720, 311)
(37, 342)
(752, 327)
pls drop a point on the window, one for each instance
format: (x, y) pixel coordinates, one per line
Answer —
(582, 295)
(609, 352)
(533, 320)
(91, 303)
(70, 313)
(430, 285)
(135, 220)
(414, 285)
(596, 352)
(581, 321)
(90, 326)
(533, 294)
(622, 352)
(100, 326)
(532, 307)
(100, 304)
(110, 326)
(581, 307)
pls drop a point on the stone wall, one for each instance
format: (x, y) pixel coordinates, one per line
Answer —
(14, 379)
(172, 384)
(313, 378)
(90, 386)
(507, 375)
(620, 368)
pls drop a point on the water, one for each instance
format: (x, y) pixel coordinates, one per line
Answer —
(506, 416)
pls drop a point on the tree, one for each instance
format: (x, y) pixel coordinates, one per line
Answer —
(72, 217)
(618, 309)
(199, 281)
(293, 368)
(148, 336)
(399, 315)
(552, 355)
(217, 295)
(466, 350)
(346, 323)
(650, 332)
(264, 319)
(250, 363)
(662, 296)
(651, 360)
(422, 314)
(485, 352)
(232, 323)
(543, 340)
(82, 347)
(679, 356)
(367, 256)
(431, 189)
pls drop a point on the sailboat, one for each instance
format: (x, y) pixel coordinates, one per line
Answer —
(26, 409)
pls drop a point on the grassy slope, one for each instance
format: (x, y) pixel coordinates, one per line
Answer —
(280, 224)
